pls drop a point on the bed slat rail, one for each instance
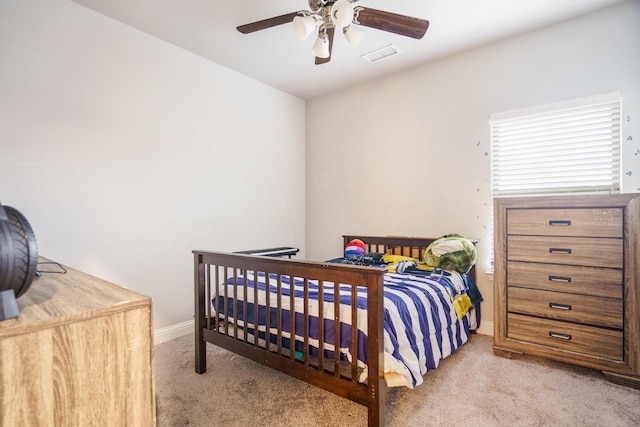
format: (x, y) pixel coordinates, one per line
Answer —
(223, 322)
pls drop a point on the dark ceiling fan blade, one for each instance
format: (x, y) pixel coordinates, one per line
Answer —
(391, 22)
(267, 23)
(330, 33)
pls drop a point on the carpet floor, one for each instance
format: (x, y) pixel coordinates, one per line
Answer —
(470, 388)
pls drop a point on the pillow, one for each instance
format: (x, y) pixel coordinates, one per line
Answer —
(451, 252)
(354, 248)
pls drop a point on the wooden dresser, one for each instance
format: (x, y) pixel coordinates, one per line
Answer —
(79, 354)
(566, 281)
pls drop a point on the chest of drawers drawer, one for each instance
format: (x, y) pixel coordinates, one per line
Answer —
(584, 309)
(586, 251)
(600, 222)
(601, 282)
(598, 342)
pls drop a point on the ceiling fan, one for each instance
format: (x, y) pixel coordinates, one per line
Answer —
(327, 15)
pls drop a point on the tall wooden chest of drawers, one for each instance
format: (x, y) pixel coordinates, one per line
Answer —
(79, 354)
(566, 281)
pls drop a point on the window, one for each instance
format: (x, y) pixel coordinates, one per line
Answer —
(566, 147)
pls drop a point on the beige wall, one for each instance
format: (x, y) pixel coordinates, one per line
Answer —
(126, 153)
(409, 154)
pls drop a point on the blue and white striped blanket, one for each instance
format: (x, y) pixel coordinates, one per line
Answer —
(421, 326)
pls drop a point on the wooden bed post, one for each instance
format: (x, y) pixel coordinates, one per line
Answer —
(377, 387)
(200, 318)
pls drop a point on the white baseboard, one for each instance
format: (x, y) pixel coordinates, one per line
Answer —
(486, 328)
(172, 332)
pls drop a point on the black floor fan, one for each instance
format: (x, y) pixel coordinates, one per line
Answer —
(18, 259)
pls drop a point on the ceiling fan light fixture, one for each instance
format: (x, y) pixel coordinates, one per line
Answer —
(321, 47)
(303, 26)
(326, 16)
(342, 13)
(354, 35)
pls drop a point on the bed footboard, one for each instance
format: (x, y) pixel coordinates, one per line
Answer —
(282, 313)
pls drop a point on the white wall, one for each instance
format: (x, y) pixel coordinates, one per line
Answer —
(126, 153)
(409, 154)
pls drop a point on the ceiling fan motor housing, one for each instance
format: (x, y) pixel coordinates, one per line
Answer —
(18, 251)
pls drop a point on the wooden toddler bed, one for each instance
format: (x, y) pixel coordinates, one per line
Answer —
(268, 309)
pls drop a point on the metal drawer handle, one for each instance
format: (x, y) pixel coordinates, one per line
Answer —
(559, 335)
(560, 306)
(559, 251)
(559, 222)
(560, 279)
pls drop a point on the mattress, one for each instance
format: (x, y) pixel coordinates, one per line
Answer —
(421, 324)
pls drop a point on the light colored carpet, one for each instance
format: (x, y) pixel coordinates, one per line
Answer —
(470, 388)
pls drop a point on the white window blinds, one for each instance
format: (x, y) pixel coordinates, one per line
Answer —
(561, 148)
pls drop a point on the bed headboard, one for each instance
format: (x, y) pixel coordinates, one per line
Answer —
(398, 245)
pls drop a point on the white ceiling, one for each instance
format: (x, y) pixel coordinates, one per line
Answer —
(276, 57)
